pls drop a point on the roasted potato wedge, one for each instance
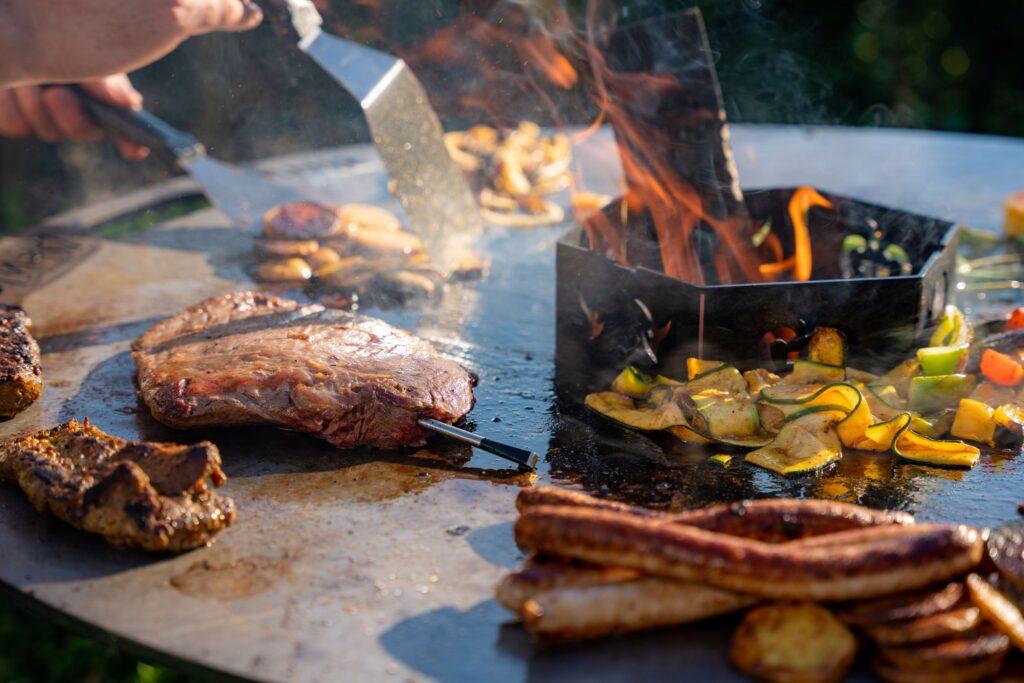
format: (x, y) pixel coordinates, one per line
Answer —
(793, 643)
(285, 270)
(368, 217)
(286, 248)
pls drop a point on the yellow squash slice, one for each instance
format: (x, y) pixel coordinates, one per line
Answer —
(722, 377)
(846, 399)
(649, 414)
(882, 435)
(697, 366)
(910, 445)
(806, 443)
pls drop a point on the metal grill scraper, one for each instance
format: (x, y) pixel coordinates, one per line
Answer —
(405, 129)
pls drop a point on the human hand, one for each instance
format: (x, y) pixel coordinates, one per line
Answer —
(55, 114)
(70, 41)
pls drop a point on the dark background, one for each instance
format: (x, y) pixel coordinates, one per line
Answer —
(938, 64)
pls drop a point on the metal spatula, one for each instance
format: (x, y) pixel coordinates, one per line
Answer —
(242, 195)
(405, 129)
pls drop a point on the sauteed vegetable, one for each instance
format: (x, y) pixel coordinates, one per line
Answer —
(801, 422)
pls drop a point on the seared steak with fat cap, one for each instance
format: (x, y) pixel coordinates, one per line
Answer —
(249, 358)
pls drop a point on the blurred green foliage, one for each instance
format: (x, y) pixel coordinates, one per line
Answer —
(34, 650)
(938, 64)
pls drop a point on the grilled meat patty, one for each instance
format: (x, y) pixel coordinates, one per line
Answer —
(21, 376)
(154, 496)
(248, 358)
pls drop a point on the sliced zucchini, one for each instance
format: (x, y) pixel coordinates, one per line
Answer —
(646, 415)
(840, 397)
(883, 434)
(720, 459)
(812, 372)
(932, 394)
(721, 417)
(827, 346)
(804, 445)
(861, 376)
(914, 447)
(722, 378)
(696, 366)
(934, 427)
(885, 403)
(719, 414)
(759, 379)
(633, 382)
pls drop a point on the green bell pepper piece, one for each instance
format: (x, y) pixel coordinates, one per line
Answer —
(941, 360)
(935, 393)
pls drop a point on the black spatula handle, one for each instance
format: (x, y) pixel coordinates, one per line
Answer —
(142, 128)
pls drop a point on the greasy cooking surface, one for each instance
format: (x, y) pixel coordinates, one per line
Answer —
(248, 358)
(383, 565)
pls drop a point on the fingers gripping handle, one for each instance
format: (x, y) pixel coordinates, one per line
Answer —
(143, 128)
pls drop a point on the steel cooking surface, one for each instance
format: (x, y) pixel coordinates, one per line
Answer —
(363, 565)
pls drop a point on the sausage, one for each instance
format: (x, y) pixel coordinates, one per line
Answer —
(870, 562)
(771, 520)
(576, 612)
(525, 584)
(908, 606)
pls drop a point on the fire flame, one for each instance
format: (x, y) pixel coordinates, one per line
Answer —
(495, 60)
(801, 262)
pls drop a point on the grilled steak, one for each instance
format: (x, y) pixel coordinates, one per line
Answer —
(248, 358)
(153, 496)
(21, 376)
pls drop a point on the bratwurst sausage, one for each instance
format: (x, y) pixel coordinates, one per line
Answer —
(870, 562)
(771, 521)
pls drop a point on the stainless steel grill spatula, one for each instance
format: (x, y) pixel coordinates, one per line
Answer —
(406, 131)
(240, 194)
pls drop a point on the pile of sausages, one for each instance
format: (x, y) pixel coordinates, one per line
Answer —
(599, 567)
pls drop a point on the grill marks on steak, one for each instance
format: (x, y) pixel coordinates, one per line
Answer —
(154, 496)
(249, 358)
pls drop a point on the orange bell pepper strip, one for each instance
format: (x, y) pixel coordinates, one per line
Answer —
(1016, 320)
(1001, 369)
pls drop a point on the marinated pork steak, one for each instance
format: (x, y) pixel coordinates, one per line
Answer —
(21, 376)
(248, 358)
(154, 496)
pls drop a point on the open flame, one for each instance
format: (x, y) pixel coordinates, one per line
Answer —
(702, 230)
(800, 265)
(503, 61)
